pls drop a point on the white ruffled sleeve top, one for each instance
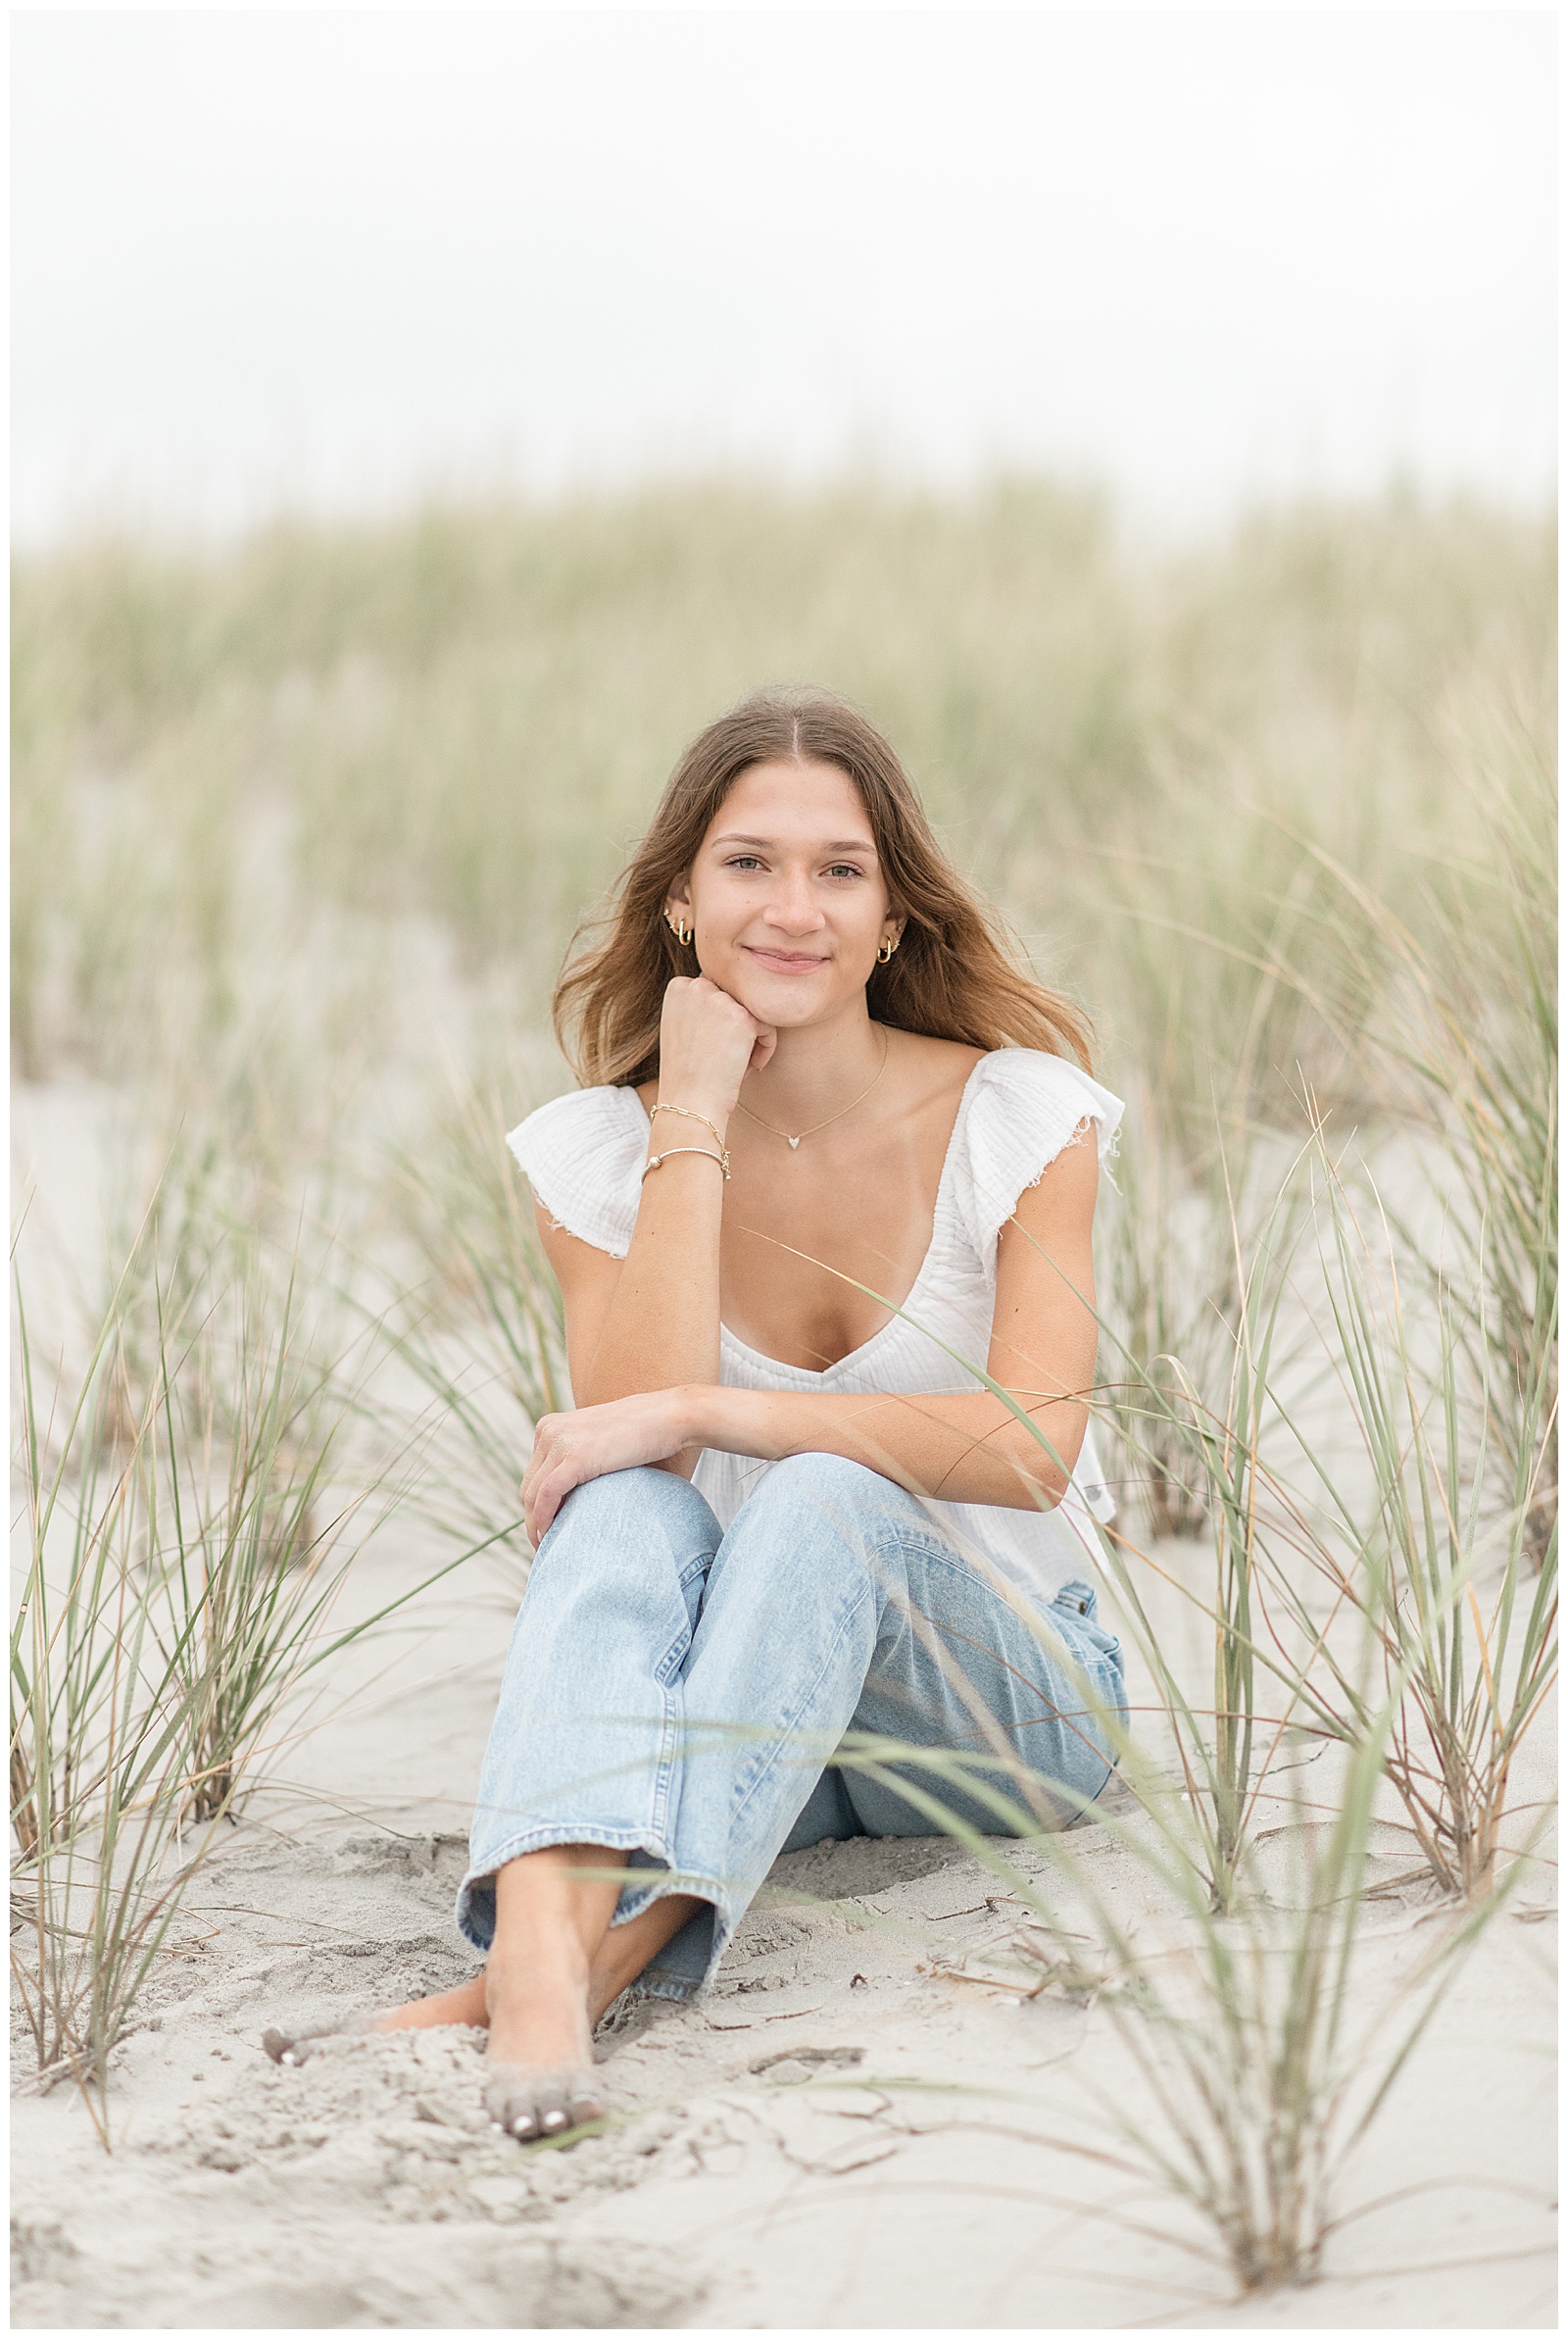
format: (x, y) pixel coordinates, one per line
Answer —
(585, 1157)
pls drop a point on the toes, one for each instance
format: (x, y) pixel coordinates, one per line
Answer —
(282, 2048)
(550, 2111)
(507, 2101)
(533, 2106)
(292, 2047)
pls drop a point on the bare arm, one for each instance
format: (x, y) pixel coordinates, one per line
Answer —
(650, 1320)
(969, 1447)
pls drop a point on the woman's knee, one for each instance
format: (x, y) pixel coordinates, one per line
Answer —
(830, 1486)
(627, 1496)
(624, 1515)
(833, 1518)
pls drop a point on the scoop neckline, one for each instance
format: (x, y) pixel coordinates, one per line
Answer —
(816, 1373)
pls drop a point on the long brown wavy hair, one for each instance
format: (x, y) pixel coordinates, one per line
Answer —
(956, 974)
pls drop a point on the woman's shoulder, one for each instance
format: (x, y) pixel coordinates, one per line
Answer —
(1021, 1109)
(582, 1154)
(937, 1067)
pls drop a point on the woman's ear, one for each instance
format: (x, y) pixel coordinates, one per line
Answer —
(678, 910)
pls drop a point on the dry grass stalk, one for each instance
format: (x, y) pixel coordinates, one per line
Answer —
(178, 1599)
(1258, 2072)
(1444, 1579)
(482, 1333)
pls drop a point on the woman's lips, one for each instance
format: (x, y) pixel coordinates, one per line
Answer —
(784, 962)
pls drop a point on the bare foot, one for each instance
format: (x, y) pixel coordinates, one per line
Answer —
(539, 2069)
(540, 2059)
(300, 2042)
(465, 2006)
(539, 2002)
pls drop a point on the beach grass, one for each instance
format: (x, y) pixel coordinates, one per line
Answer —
(301, 826)
(1262, 2057)
(465, 717)
(197, 1487)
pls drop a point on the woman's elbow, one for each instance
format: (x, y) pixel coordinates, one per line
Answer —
(1044, 1454)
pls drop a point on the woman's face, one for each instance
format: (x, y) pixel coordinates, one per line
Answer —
(786, 894)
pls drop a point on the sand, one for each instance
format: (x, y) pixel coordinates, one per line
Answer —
(843, 2133)
(855, 2128)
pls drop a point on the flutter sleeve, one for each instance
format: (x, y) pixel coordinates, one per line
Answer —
(1023, 1108)
(583, 1156)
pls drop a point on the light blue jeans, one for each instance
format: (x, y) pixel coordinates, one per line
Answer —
(677, 1693)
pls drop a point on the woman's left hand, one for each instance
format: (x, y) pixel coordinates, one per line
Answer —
(569, 1448)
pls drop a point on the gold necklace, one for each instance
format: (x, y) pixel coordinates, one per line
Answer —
(793, 1142)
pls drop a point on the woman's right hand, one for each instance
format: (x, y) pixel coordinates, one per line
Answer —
(708, 1043)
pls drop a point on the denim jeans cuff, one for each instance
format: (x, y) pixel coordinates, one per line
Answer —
(475, 1911)
(658, 1980)
(662, 1985)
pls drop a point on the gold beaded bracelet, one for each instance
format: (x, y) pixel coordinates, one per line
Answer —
(670, 1152)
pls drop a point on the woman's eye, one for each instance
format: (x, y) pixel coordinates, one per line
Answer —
(844, 869)
(744, 860)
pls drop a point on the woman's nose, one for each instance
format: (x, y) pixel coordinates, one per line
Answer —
(794, 906)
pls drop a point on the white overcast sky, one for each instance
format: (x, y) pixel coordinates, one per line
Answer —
(340, 259)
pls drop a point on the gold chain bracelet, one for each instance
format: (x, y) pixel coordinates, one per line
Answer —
(687, 1113)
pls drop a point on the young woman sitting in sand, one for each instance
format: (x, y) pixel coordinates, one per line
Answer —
(805, 1180)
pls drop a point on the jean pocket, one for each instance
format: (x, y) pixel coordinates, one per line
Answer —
(1077, 1604)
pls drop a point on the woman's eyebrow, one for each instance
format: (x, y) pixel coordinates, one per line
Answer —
(852, 844)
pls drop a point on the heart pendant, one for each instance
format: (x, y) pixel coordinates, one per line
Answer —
(793, 1141)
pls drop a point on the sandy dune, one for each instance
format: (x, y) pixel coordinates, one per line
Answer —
(844, 2133)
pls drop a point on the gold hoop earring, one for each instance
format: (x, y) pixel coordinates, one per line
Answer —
(887, 949)
(679, 928)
